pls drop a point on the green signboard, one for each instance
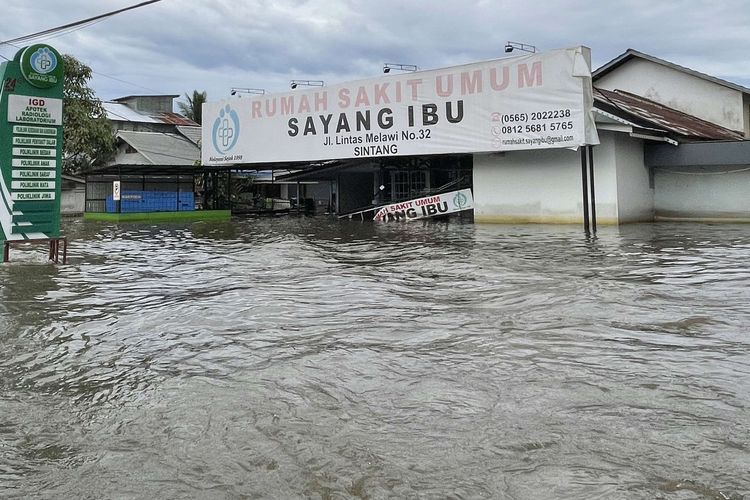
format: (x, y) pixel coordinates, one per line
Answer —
(31, 140)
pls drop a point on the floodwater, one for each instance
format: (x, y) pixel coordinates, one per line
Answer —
(310, 358)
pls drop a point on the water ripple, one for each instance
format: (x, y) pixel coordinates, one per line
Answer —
(309, 358)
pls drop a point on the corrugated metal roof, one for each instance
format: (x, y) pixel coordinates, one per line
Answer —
(125, 98)
(162, 149)
(73, 178)
(192, 133)
(649, 113)
(120, 112)
(174, 119)
(631, 53)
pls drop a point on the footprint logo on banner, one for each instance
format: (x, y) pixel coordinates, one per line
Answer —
(226, 130)
(43, 61)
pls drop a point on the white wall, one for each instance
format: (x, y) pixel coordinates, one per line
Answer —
(605, 178)
(542, 186)
(684, 92)
(73, 201)
(635, 199)
(545, 186)
(702, 193)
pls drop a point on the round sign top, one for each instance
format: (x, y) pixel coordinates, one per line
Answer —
(42, 66)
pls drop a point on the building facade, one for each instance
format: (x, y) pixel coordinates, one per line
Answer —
(672, 142)
(672, 147)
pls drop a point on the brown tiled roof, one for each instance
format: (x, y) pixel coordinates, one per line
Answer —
(652, 114)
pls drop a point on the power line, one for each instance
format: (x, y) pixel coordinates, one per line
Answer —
(71, 27)
(124, 81)
(94, 72)
(71, 30)
(75, 25)
(14, 46)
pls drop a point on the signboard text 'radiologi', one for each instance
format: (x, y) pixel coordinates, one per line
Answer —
(31, 139)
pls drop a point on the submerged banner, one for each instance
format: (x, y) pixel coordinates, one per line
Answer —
(536, 101)
(429, 206)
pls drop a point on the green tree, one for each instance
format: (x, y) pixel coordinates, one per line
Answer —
(194, 105)
(88, 137)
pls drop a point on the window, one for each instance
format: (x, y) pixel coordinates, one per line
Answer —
(407, 184)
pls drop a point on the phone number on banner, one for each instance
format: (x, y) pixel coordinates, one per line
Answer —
(537, 121)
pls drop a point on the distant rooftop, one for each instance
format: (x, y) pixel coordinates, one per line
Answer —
(129, 97)
(646, 112)
(162, 148)
(632, 54)
(121, 112)
(192, 133)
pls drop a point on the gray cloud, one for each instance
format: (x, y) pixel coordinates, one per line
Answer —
(177, 46)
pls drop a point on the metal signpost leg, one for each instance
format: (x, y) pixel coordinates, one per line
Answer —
(591, 182)
(585, 191)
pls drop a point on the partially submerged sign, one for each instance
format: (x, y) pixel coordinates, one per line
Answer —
(429, 206)
(535, 101)
(31, 144)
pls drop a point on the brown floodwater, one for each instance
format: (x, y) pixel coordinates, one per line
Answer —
(310, 358)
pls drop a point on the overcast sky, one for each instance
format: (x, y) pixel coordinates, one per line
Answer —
(175, 46)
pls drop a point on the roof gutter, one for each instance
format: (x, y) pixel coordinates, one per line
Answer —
(654, 138)
(632, 129)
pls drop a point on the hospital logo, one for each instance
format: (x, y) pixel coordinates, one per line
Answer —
(43, 61)
(226, 130)
(460, 200)
(42, 66)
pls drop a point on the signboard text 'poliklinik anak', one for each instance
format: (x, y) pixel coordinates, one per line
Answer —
(536, 101)
(31, 109)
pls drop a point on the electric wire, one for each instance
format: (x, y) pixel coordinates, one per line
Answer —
(124, 81)
(95, 72)
(77, 25)
(66, 32)
(67, 28)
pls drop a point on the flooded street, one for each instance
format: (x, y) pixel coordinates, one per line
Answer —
(309, 358)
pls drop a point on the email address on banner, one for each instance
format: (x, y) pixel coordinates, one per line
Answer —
(537, 141)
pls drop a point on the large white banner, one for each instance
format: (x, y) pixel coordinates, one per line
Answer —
(535, 101)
